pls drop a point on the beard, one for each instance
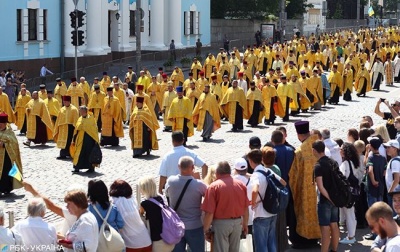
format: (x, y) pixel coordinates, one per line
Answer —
(382, 232)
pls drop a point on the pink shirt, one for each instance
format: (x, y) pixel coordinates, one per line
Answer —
(226, 198)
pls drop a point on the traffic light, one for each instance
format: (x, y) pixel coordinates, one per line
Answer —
(74, 38)
(80, 38)
(73, 19)
(77, 38)
(80, 14)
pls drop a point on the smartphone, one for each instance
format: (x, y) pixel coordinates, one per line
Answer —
(382, 99)
(65, 241)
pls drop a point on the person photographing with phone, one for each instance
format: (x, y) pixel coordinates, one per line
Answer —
(389, 116)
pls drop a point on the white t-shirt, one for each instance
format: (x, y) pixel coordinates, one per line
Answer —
(258, 178)
(84, 232)
(134, 232)
(345, 169)
(393, 244)
(249, 186)
(36, 232)
(392, 167)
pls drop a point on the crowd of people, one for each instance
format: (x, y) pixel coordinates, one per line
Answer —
(221, 203)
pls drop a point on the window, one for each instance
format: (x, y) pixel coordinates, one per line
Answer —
(44, 24)
(32, 24)
(132, 24)
(19, 25)
(191, 22)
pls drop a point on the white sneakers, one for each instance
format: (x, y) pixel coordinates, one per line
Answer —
(347, 240)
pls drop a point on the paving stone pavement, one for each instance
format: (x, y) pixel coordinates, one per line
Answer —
(52, 177)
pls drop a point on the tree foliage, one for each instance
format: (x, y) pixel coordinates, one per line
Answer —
(255, 9)
(296, 8)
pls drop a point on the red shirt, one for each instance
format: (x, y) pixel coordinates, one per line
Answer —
(226, 198)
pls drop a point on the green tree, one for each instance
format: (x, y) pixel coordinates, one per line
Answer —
(390, 5)
(296, 8)
(254, 9)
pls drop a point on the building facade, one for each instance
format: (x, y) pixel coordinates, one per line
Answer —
(40, 30)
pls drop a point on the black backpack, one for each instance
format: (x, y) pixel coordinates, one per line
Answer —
(340, 191)
(354, 187)
(276, 196)
(96, 156)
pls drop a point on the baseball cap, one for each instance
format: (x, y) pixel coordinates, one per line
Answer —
(240, 164)
(255, 141)
(392, 143)
(374, 142)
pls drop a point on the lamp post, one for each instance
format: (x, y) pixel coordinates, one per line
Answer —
(76, 32)
(138, 19)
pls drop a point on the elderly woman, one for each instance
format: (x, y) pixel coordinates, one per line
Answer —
(134, 232)
(84, 233)
(148, 188)
(100, 204)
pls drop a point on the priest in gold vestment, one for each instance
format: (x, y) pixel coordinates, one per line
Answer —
(96, 104)
(142, 129)
(22, 100)
(76, 93)
(52, 105)
(304, 227)
(65, 126)
(169, 96)
(180, 114)
(39, 125)
(85, 138)
(9, 154)
(234, 106)
(254, 105)
(60, 90)
(111, 119)
(206, 114)
(5, 106)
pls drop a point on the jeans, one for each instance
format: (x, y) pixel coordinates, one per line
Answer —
(327, 213)
(372, 199)
(194, 238)
(264, 234)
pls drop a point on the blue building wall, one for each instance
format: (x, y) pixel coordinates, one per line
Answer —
(10, 49)
(205, 22)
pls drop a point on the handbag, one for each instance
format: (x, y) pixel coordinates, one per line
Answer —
(109, 238)
(246, 245)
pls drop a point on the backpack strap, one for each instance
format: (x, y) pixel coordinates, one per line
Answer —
(181, 195)
(351, 168)
(108, 212)
(266, 174)
(248, 181)
(156, 202)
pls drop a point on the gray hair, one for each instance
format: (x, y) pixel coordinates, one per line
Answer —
(185, 162)
(325, 133)
(36, 207)
(223, 168)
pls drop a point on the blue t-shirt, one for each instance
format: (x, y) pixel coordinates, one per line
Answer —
(114, 219)
(378, 163)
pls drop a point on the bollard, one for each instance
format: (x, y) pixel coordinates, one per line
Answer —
(11, 219)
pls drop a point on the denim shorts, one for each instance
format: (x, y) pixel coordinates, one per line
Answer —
(327, 213)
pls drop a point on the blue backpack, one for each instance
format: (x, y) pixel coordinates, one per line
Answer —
(276, 196)
(173, 229)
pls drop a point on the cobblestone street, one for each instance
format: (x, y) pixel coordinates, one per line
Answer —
(52, 177)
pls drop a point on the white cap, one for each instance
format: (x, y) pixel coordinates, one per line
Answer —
(240, 164)
(392, 143)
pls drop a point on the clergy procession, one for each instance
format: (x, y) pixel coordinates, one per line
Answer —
(266, 85)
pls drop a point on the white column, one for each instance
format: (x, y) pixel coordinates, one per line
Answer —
(69, 49)
(93, 36)
(145, 33)
(157, 24)
(124, 46)
(175, 21)
(102, 19)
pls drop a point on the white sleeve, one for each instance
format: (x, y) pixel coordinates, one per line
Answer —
(163, 168)
(345, 169)
(395, 166)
